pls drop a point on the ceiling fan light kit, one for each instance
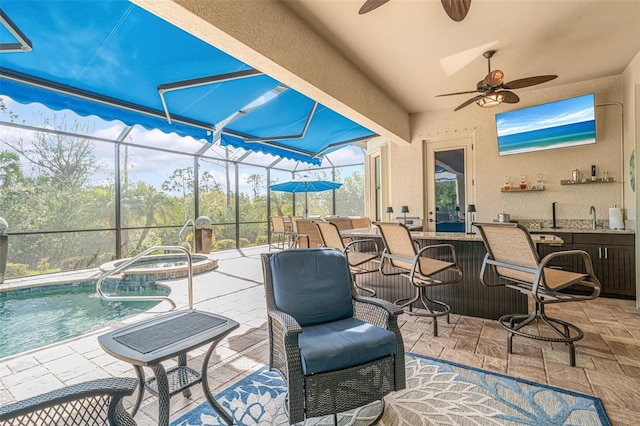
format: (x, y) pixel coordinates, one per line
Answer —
(490, 100)
(494, 91)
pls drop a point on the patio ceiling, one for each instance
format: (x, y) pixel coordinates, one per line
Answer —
(115, 60)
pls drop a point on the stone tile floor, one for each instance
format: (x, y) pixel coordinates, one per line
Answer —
(608, 358)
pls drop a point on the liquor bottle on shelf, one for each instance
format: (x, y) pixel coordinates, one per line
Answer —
(523, 182)
(507, 183)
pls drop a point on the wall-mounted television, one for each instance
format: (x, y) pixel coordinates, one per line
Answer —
(558, 124)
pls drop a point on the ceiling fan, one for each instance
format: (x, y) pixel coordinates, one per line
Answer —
(456, 9)
(494, 91)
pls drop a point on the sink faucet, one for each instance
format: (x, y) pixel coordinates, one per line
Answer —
(592, 211)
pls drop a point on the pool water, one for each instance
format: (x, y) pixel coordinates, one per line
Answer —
(32, 320)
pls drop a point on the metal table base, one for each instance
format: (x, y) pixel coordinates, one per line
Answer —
(167, 383)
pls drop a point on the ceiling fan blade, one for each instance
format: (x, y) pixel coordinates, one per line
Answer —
(509, 97)
(468, 102)
(370, 5)
(456, 9)
(529, 81)
(494, 79)
(458, 93)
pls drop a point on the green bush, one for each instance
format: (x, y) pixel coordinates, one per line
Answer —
(43, 265)
(15, 270)
(261, 240)
(244, 242)
(75, 262)
(105, 257)
(226, 244)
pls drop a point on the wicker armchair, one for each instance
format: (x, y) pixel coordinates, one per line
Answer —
(336, 351)
(96, 402)
(513, 258)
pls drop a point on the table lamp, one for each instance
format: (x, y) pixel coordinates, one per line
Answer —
(471, 209)
(404, 210)
(389, 211)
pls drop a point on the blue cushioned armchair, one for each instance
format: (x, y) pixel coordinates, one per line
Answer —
(335, 350)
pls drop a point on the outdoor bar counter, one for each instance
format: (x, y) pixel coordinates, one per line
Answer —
(468, 297)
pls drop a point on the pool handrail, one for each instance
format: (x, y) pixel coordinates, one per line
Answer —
(184, 228)
(129, 262)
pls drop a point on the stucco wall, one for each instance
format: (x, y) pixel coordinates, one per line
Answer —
(630, 81)
(407, 175)
(631, 96)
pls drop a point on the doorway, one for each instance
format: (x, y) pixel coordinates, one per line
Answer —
(449, 184)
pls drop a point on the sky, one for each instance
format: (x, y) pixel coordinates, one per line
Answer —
(153, 167)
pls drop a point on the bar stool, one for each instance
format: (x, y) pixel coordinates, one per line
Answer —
(421, 271)
(331, 238)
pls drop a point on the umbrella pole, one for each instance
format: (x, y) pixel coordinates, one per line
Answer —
(306, 206)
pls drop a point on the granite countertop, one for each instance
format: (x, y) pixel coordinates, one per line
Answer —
(542, 237)
(550, 234)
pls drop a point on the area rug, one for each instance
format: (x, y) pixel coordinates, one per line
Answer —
(438, 393)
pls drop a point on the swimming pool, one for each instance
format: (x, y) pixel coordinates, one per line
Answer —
(40, 316)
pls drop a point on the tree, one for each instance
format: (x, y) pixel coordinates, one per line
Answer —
(208, 183)
(10, 170)
(181, 182)
(257, 183)
(446, 197)
(350, 196)
(68, 161)
(3, 109)
(153, 204)
(281, 203)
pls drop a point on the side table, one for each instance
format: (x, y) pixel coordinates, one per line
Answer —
(149, 342)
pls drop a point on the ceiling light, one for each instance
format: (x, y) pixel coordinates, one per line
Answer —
(491, 100)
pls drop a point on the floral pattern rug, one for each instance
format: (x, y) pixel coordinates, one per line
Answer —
(438, 393)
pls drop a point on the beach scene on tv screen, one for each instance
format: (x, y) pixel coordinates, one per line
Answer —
(559, 124)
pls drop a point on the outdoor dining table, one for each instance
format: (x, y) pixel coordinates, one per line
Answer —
(148, 343)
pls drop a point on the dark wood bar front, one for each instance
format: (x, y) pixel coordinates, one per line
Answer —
(468, 297)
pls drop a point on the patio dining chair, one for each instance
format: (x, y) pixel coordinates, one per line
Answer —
(357, 260)
(95, 402)
(408, 260)
(336, 351)
(512, 256)
(343, 223)
(308, 235)
(360, 222)
(279, 231)
(293, 223)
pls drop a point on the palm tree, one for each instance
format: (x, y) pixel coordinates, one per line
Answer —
(153, 205)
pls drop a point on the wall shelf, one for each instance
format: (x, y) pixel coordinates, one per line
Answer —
(520, 190)
(599, 180)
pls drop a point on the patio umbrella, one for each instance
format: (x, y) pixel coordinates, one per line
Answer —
(305, 185)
